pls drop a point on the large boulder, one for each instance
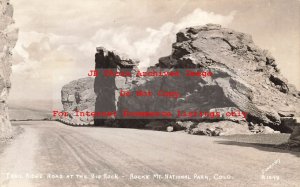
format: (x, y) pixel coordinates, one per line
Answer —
(78, 95)
(8, 38)
(221, 128)
(244, 77)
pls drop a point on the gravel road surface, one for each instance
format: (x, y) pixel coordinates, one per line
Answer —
(52, 154)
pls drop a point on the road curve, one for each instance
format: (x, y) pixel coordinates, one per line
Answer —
(52, 154)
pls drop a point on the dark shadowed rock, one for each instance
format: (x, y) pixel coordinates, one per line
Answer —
(107, 87)
(294, 140)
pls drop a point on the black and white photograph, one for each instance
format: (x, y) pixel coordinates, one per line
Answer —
(154, 93)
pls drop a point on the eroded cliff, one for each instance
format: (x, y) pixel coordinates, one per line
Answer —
(8, 38)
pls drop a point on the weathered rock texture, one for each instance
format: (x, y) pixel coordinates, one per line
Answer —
(221, 128)
(245, 78)
(108, 88)
(100, 94)
(78, 95)
(8, 38)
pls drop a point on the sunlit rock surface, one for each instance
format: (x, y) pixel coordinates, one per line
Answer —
(8, 38)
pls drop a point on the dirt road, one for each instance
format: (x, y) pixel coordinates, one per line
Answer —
(52, 154)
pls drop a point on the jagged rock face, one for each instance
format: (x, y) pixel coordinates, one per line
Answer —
(107, 87)
(244, 76)
(247, 75)
(100, 94)
(8, 38)
(78, 95)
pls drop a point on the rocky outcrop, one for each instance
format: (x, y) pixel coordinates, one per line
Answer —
(244, 78)
(107, 88)
(8, 38)
(78, 95)
(100, 94)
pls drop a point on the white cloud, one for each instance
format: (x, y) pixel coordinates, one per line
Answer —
(42, 61)
(200, 17)
(128, 40)
(52, 59)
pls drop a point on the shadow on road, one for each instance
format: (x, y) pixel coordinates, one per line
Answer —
(262, 147)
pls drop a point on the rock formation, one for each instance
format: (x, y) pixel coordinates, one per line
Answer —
(107, 88)
(100, 94)
(8, 38)
(78, 95)
(244, 78)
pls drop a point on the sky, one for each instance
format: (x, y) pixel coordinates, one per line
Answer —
(58, 38)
